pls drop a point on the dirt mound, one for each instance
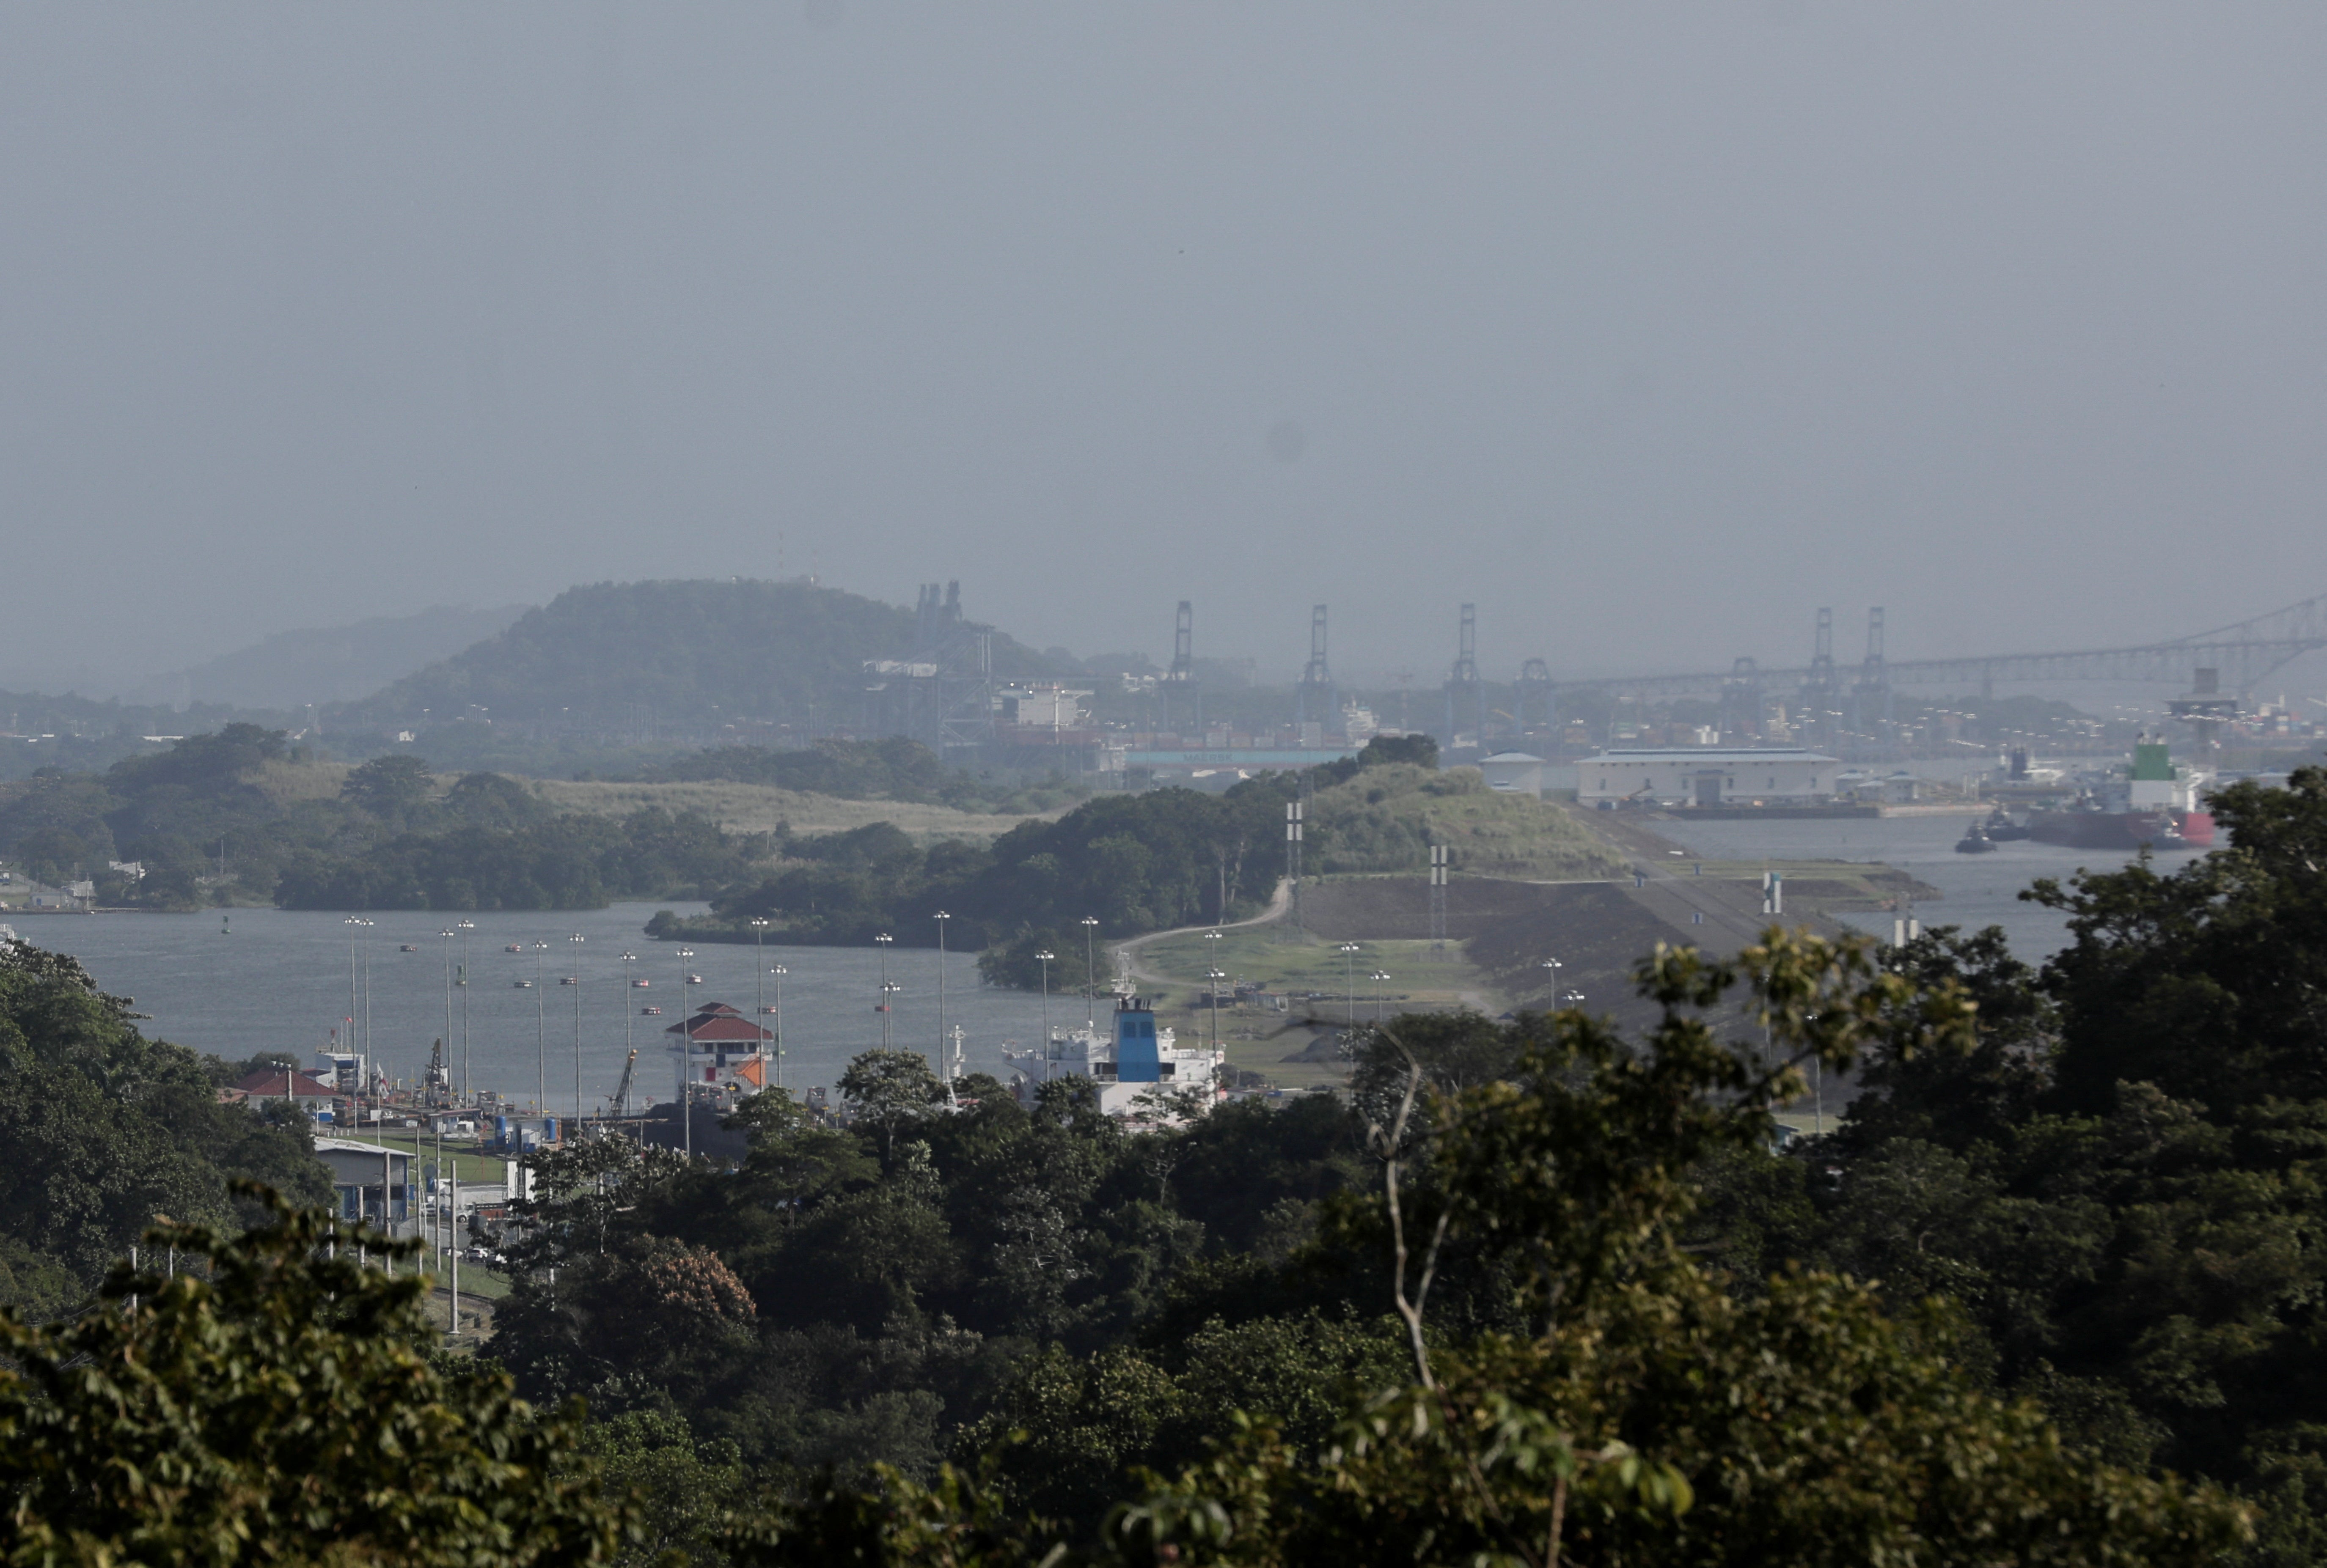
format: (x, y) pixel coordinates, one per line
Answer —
(1397, 907)
(1596, 931)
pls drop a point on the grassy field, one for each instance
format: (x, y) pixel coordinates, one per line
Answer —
(757, 808)
(1282, 960)
(473, 1168)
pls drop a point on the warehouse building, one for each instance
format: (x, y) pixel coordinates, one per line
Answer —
(1707, 776)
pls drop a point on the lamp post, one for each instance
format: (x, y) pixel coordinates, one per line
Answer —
(778, 971)
(1379, 975)
(760, 956)
(351, 923)
(464, 927)
(1553, 966)
(576, 937)
(1090, 974)
(1350, 978)
(540, 1034)
(366, 1011)
(1212, 973)
(630, 1018)
(1045, 957)
(941, 918)
(447, 934)
(686, 1058)
(882, 941)
(888, 989)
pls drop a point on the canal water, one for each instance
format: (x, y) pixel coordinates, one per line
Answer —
(1977, 889)
(280, 982)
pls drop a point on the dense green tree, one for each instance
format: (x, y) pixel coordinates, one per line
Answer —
(891, 1089)
(2203, 982)
(105, 1129)
(390, 787)
(271, 1400)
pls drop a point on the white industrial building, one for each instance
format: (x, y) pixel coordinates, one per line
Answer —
(1707, 776)
(1513, 773)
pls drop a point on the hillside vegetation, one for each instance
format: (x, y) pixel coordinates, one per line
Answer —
(642, 655)
(757, 808)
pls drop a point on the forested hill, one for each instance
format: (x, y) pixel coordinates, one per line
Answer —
(615, 654)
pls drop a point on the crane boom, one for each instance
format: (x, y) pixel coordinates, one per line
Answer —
(622, 1093)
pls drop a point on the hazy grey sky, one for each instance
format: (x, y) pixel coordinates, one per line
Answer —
(1648, 326)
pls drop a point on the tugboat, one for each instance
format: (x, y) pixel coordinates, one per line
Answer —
(1975, 841)
(2000, 826)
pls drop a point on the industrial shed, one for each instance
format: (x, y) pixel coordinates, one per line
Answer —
(1707, 776)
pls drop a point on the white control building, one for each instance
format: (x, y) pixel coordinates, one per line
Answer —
(1707, 776)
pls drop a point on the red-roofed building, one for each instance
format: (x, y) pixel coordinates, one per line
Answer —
(723, 1048)
(275, 1083)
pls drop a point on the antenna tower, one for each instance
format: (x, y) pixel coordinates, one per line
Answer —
(1294, 812)
(1438, 898)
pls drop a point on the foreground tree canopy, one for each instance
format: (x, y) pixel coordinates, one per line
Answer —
(1537, 1293)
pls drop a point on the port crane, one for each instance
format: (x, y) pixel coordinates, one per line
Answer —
(622, 1092)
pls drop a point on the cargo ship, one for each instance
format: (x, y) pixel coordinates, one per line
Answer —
(2152, 804)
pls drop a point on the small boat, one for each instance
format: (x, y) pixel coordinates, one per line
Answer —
(524, 985)
(695, 979)
(569, 979)
(638, 985)
(514, 948)
(651, 1011)
(1975, 841)
(407, 948)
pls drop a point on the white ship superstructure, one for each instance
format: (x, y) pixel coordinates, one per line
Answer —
(1126, 1057)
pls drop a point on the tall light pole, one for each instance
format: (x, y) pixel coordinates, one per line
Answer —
(1378, 978)
(1045, 957)
(686, 1056)
(941, 918)
(760, 958)
(759, 973)
(778, 971)
(354, 923)
(1350, 978)
(1212, 973)
(1553, 966)
(369, 1067)
(882, 941)
(447, 934)
(1090, 974)
(464, 927)
(630, 1018)
(540, 1035)
(576, 937)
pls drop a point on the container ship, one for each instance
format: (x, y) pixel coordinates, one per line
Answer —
(2154, 805)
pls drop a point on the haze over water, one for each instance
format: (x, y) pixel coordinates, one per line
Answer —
(280, 983)
(1980, 889)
